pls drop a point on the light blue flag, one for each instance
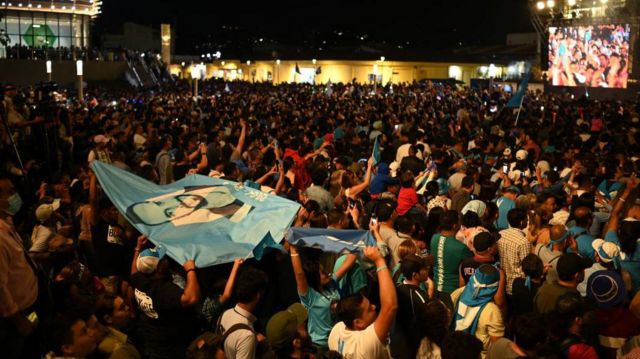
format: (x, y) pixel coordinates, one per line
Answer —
(516, 99)
(331, 240)
(376, 151)
(208, 219)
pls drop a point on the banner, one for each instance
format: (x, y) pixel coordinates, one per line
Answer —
(331, 240)
(210, 220)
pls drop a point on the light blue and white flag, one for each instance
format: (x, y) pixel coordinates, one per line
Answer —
(208, 219)
(331, 240)
(375, 153)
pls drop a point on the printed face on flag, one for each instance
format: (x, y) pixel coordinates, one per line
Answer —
(189, 206)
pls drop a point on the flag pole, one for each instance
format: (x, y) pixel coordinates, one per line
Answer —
(519, 109)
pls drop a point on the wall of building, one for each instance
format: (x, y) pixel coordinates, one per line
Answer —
(134, 37)
(342, 71)
(30, 72)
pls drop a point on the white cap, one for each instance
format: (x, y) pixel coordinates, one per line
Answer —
(149, 258)
(607, 251)
(44, 211)
(521, 155)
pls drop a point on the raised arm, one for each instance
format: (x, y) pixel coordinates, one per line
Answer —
(266, 176)
(201, 150)
(355, 190)
(301, 279)
(374, 227)
(316, 152)
(142, 241)
(388, 298)
(243, 136)
(228, 288)
(191, 294)
(280, 183)
(346, 266)
(618, 204)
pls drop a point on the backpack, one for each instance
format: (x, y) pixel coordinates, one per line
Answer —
(263, 348)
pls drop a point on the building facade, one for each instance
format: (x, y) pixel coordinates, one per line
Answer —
(47, 24)
(324, 71)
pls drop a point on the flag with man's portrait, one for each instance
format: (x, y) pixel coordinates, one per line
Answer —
(210, 220)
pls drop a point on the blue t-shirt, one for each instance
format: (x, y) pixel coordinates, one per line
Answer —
(319, 308)
(354, 280)
(583, 239)
(631, 263)
(607, 188)
(504, 206)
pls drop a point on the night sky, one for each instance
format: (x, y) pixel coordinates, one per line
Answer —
(235, 25)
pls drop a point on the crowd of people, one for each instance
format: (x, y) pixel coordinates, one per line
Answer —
(24, 52)
(592, 56)
(495, 238)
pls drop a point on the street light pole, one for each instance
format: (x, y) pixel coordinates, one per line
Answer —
(80, 73)
(49, 70)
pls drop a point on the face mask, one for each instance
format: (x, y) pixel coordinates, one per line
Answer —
(15, 203)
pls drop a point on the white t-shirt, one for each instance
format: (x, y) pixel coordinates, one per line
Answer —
(455, 181)
(40, 238)
(357, 344)
(402, 152)
(139, 140)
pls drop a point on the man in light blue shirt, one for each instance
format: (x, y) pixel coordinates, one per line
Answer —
(506, 203)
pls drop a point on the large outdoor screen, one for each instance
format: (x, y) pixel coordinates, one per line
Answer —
(590, 55)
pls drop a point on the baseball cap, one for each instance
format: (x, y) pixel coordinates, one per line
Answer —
(521, 155)
(570, 263)
(283, 326)
(45, 211)
(100, 139)
(483, 241)
(148, 259)
(606, 288)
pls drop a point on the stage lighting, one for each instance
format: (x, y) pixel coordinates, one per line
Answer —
(540, 5)
(551, 3)
(571, 2)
